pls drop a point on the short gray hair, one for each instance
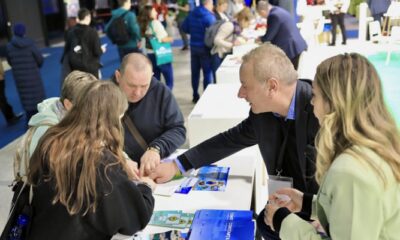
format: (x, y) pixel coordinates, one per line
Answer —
(137, 61)
(269, 61)
(74, 83)
(262, 5)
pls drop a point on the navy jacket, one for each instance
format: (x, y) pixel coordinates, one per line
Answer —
(25, 60)
(378, 6)
(264, 129)
(159, 120)
(283, 32)
(196, 23)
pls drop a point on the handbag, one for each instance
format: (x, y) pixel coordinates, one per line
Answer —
(162, 51)
(21, 213)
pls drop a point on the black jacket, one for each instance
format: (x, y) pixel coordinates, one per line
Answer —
(25, 60)
(124, 207)
(159, 120)
(89, 40)
(265, 130)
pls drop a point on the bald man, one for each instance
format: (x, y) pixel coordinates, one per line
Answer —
(153, 111)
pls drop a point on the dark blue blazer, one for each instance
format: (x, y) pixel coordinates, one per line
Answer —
(264, 129)
(283, 32)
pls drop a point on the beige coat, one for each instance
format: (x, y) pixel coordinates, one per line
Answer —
(223, 42)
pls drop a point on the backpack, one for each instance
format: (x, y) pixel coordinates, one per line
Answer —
(78, 54)
(211, 32)
(21, 157)
(118, 31)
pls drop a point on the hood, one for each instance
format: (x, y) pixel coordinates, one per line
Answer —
(21, 42)
(118, 12)
(50, 111)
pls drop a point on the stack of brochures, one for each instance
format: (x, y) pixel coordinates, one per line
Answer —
(171, 219)
(212, 178)
(222, 224)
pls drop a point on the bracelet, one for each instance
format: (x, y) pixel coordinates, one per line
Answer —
(154, 149)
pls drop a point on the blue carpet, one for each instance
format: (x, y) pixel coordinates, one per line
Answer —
(50, 72)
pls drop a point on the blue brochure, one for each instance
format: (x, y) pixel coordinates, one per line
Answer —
(222, 224)
(212, 178)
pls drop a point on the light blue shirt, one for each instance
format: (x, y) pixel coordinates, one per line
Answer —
(291, 115)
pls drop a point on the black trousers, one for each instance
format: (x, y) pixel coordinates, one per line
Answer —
(5, 107)
(338, 19)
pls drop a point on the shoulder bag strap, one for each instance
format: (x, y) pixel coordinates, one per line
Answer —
(135, 132)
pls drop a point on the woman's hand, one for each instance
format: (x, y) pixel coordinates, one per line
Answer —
(149, 182)
(293, 201)
(269, 212)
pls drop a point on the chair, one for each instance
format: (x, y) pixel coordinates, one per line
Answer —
(393, 12)
(375, 34)
(393, 40)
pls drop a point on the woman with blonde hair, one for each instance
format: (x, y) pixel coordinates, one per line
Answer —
(358, 160)
(83, 188)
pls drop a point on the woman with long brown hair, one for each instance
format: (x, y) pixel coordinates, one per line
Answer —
(151, 27)
(83, 186)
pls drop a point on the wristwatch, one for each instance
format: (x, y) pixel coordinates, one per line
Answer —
(154, 148)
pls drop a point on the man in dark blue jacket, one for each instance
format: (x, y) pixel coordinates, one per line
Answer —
(282, 31)
(152, 110)
(281, 122)
(200, 57)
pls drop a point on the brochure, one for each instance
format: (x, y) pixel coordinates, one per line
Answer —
(212, 178)
(222, 224)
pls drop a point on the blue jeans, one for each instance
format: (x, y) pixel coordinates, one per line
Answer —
(216, 62)
(165, 69)
(200, 58)
(125, 51)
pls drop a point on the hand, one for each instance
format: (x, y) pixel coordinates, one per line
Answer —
(269, 212)
(148, 162)
(104, 47)
(133, 167)
(295, 202)
(164, 172)
(236, 43)
(149, 182)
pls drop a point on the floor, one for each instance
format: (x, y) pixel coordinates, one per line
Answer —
(183, 94)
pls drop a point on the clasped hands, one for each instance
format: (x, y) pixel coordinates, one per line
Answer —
(153, 167)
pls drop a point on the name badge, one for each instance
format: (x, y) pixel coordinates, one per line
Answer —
(277, 182)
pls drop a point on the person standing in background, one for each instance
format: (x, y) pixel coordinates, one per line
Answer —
(200, 57)
(183, 11)
(25, 60)
(134, 44)
(378, 8)
(282, 31)
(338, 9)
(6, 109)
(151, 27)
(87, 38)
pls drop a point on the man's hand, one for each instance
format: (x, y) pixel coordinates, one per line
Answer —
(148, 162)
(164, 172)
